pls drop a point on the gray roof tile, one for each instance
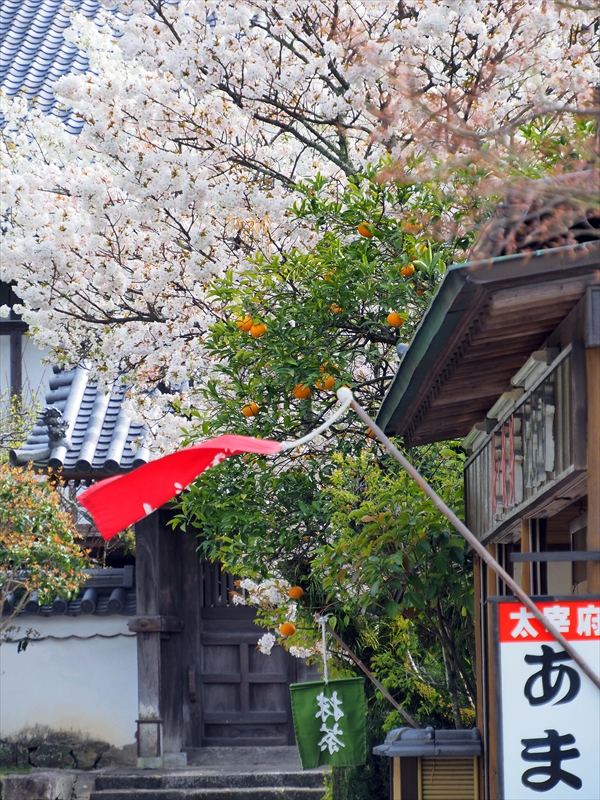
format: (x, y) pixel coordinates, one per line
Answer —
(34, 53)
(100, 438)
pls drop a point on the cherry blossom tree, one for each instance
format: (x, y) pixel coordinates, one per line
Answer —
(200, 117)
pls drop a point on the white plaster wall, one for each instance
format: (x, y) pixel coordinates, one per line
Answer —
(4, 367)
(89, 686)
(35, 375)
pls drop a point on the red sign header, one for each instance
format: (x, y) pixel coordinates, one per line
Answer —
(577, 620)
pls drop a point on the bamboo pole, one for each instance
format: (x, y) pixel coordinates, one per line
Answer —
(476, 545)
(370, 676)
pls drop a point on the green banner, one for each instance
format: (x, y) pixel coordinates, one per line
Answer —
(329, 720)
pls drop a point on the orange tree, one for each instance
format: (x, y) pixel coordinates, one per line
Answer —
(296, 326)
(38, 547)
(336, 517)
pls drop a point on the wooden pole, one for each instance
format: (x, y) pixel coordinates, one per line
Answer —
(592, 363)
(525, 548)
(477, 546)
(370, 676)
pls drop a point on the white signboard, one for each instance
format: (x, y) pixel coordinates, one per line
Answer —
(549, 710)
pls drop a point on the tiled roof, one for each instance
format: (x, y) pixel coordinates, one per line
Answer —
(89, 602)
(34, 53)
(106, 592)
(83, 431)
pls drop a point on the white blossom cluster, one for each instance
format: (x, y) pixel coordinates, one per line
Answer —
(266, 643)
(266, 594)
(200, 116)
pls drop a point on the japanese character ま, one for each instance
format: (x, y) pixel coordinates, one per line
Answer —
(554, 755)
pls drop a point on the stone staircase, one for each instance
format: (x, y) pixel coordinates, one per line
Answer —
(237, 773)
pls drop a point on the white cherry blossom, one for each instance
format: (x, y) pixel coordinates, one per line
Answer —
(200, 115)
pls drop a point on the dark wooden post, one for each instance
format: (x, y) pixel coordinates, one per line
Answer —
(191, 589)
(150, 744)
(593, 465)
(159, 625)
(592, 360)
(16, 363)
(171, 644)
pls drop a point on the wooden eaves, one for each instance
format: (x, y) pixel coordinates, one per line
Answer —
(484, 322)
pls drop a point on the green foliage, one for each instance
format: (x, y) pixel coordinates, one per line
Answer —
(327, 305)
(548, 144)
(372, 780)
(300, 516)
(16, 420)
(38, 548)
(273, 518)
(395, 566)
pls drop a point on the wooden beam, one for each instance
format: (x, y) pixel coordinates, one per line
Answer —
(158, 624)
(539, 326)
(191, 591)
(16, 364)
(556, 556)
(173, 665)
(592, 360)
(148, 643)
(493, 744)
(479, 603)
(546, 294)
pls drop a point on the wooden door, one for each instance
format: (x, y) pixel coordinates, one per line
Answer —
(244, 694)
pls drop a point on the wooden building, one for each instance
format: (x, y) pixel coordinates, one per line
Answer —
(201, 679)
(508, 358)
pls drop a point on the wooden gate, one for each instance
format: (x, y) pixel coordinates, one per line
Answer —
(244, 694)
(202, 681)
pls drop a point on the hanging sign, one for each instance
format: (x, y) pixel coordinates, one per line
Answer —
(549, 710)
(329, 720)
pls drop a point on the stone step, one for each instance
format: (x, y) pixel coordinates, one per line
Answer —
(279, 758)
(233, 793)
(184, 780)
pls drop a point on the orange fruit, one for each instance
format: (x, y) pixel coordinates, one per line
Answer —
(287, 629)
(323, 367)
(364, 229)
(407, 271)
(301, 391)
(411, 227)
(250, 410)
(335, 308)
(328, 276)
(258, 330)
(244, 323)
(395, 320)
(326, 384)
(419, 292)
(296, 592)
(370, 434)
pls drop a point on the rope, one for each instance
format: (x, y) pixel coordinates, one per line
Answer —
(345, 397)
(323, 623)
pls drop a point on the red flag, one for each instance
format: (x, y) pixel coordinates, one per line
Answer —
(118, 502)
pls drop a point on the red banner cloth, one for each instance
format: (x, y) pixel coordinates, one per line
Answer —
(118, 502)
